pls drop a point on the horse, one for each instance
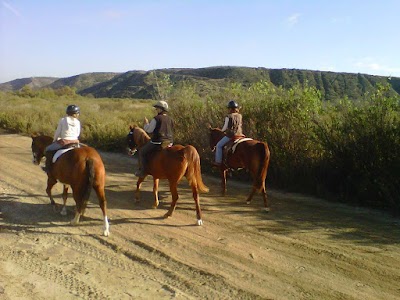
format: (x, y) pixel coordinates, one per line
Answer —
(171, 163)
(80, 168)
(249, 154)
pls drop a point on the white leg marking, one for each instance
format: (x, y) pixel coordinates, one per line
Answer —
(75, 221)
(267, 209)
(63, 211)
(106, 227)
(200, 222)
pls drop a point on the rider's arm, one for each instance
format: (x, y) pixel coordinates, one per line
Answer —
(225, 127)
(57, 134)
(149, 128)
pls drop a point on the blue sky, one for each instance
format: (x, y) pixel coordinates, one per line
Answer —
(71, 37)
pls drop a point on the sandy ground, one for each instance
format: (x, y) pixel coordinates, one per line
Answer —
(305, 248)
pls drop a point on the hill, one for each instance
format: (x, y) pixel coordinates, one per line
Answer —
(32, 82)
(139, 84)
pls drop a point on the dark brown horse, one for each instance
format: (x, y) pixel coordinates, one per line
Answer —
(251, 155)
(81, 168)
(171, 163)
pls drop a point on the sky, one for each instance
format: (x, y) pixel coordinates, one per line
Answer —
(57, 38)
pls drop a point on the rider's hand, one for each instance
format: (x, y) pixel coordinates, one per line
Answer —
(145, 121)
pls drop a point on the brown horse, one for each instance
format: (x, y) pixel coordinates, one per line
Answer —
(251, 155)
(171, 163)
(81, 168)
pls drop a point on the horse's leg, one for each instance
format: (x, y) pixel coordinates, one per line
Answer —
(223, 181)
(253, 191)
(50, 183)
(155, 192)
(79, 209)
(137, 192)
(173, 187)
(197, 203)
(64, 196)
(103, 205)
(264, 194)
(75, 220)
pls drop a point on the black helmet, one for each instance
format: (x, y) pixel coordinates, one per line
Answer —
(232, 104)
(73, 109)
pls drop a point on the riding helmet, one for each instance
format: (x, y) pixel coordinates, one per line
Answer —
(162, 104)
(73, 109)
(232, 104)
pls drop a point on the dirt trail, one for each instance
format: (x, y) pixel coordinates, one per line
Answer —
(305, 248)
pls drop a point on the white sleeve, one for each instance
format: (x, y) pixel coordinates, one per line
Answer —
(225, 127)
(149, 128)
(57, 134)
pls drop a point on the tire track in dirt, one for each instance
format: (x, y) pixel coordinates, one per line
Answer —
(34, 263)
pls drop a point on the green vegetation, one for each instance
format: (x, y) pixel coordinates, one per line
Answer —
(340, 149)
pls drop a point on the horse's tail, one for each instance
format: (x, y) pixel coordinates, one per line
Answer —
(264, 162)
(90, 179)
(193, 172)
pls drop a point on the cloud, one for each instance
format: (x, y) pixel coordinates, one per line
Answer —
(12, 9)
(293, 19)
(371, 64)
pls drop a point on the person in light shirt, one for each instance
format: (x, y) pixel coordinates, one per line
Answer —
(67, 132)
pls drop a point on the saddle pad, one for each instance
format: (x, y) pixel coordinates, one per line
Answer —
(60, 152)
(237, 142)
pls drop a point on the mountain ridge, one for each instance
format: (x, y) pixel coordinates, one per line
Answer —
(138, 83)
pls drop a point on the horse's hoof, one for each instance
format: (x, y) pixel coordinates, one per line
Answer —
(106, 233)
(154, 206)
(199, 222)
(63, 212)
(267, 209)
(247, 202)
(166, 216)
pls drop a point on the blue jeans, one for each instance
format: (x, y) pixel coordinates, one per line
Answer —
(53, 147)
(219, 150)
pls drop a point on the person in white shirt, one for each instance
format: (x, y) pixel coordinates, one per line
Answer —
(67, 132)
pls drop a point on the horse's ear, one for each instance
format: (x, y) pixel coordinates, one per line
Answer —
(34, 134)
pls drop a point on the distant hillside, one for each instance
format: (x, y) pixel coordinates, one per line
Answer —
(82, 81)
(137, 84)
(32, 82)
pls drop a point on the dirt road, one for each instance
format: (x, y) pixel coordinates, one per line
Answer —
(304, 248)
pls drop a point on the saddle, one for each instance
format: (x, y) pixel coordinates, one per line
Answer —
(52, 156)
(230, 147)
(65, 149)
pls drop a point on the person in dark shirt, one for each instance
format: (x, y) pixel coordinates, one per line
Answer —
(232, 128)
(160, 129)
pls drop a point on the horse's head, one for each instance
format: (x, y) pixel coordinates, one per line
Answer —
(215, 136)
(136, 138)
(39, 144)
(130, 140)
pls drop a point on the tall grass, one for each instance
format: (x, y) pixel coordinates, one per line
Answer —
(345, 150)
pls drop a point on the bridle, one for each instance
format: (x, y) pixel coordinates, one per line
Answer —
(132, 146)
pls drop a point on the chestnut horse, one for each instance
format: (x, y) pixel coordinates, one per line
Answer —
(81, 168)
(171, 163)
(251, 155)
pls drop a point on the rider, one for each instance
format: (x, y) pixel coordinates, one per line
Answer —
(232, 128)
(161, 130)
(67, 132)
